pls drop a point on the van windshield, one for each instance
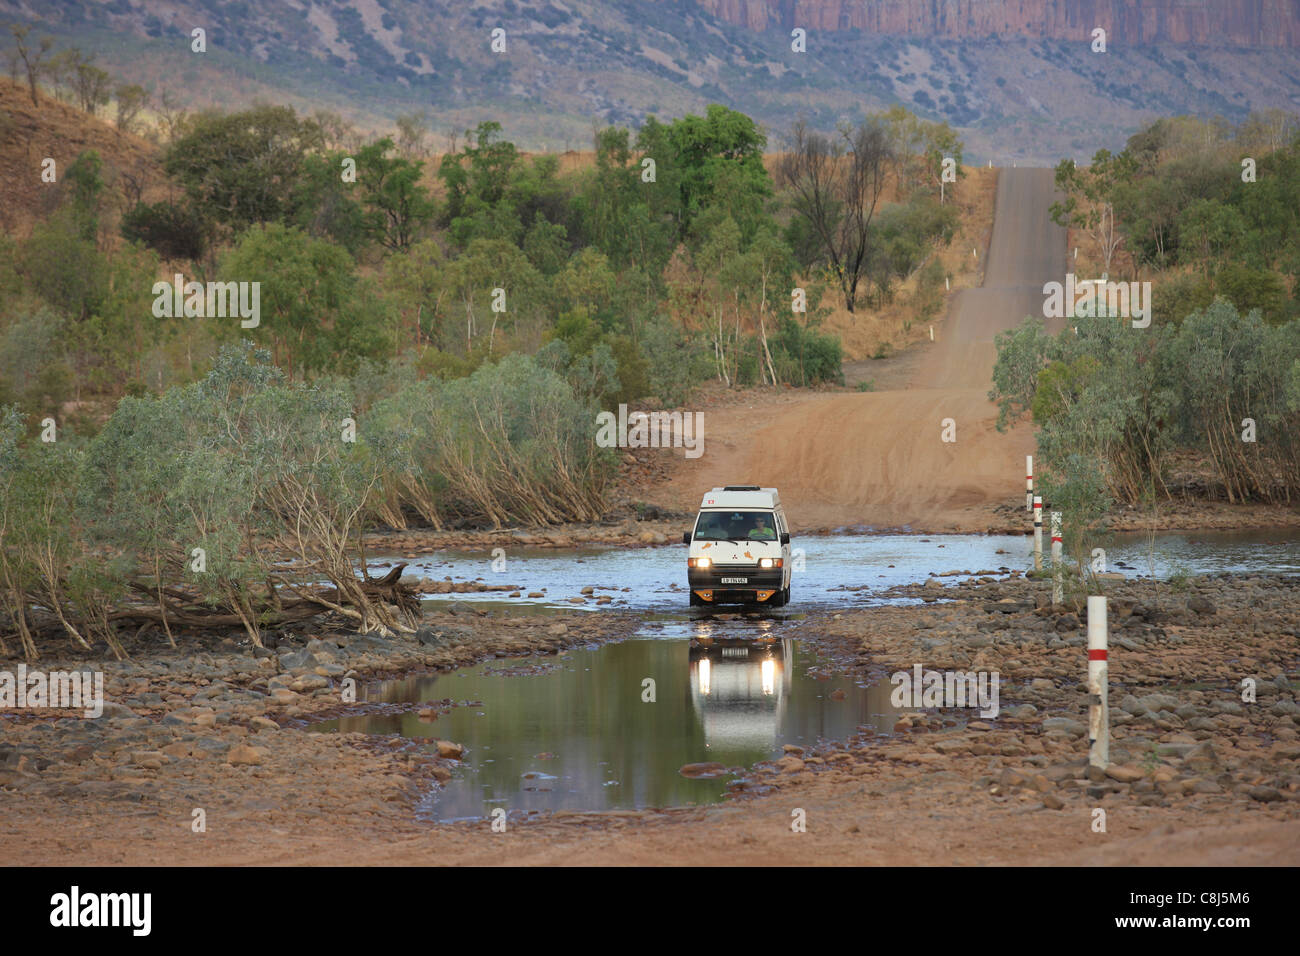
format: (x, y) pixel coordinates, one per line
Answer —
(736, 526)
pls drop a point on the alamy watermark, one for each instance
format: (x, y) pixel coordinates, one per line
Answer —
(946, 689)
(75, 908)
(215, 300)
(71, 690)
(1090, 298)
(651, 430)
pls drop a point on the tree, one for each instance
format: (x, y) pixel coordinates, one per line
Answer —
(920, 148)
(835, 185)
(174, 230)
(90, 84)
(412, 131)
(396, 205)
(131, 99)
(243, 168)
(1090, 199)
(704, 148)
(310, 300)
(31, 58)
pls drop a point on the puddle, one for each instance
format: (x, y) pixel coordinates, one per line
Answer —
(655, 578)
(573, 732)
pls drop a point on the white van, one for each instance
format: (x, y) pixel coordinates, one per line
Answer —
(740, 549)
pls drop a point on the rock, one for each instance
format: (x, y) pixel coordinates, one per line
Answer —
(429, 636)
(149, 759)
(792, 749)
(1052, 802)
(790, 764)
(1010, 778)
(1158, 702)
(302, 658)
(448, 749)
(1131, 705)
(1264, 794)
(1202, 757)
(242, 755)
(536, 594)
(263, 723)
(1202, 605)
(588, 590)
(1124, 774)
(115, 710)
(1024, 711)
(702, 770)
(1067, 724)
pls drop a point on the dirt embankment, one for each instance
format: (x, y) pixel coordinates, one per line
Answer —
(1197, 776)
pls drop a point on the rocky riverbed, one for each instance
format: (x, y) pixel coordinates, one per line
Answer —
(1180, 662)
(216, 732)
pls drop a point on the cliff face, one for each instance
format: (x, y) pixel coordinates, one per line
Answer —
(1237, 23)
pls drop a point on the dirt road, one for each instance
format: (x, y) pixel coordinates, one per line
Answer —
(877, 459)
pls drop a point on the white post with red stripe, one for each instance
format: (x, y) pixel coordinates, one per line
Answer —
(1029, 482)
(1098, 707)
(1057, 586)
(1038, 532)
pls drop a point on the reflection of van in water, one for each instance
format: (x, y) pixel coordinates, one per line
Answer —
(740, 691)
(740, 548)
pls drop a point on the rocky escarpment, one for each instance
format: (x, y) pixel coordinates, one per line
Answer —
(1237, 23)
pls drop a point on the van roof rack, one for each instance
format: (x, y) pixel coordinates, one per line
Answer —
(741, 488)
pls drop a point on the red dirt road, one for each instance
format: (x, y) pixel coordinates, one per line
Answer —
(876, 459)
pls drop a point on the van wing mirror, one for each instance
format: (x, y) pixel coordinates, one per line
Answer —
(785, 537)
(686, 537)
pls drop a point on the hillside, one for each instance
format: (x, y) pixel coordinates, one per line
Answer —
(29, 134)
(1018, 79)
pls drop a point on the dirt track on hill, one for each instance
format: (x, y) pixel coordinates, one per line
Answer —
(876, 459)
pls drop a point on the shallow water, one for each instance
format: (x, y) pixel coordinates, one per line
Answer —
(827, 567)
(575, 732)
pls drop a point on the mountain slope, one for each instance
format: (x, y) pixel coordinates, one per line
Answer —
(570, 64)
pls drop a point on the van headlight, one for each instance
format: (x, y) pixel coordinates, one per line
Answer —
(699, 563)
(770, 562)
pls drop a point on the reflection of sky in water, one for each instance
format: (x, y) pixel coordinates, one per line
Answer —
(579, 735)
(656, 577)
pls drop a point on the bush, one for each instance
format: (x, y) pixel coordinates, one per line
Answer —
(173, 231)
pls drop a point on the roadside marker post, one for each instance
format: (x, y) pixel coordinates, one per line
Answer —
(932, 333)
(1029, 482)
(1057, 588)
(1098, 684)
(1038, 532)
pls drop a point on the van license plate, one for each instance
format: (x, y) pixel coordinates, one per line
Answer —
(735, 580)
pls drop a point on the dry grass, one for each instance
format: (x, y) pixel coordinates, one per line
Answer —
(864, 332)
(29, 134)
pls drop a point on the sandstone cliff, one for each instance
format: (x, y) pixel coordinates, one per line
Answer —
(1236, 23)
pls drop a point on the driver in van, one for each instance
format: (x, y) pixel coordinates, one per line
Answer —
(760, 531)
